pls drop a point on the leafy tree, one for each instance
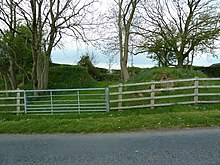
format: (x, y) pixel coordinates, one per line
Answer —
(17, 51)
(48, 21)
(4, 67)
(159, 51)
(184, 27)
(8, 16)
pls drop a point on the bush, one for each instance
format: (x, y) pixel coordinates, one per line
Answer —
(213, 71)
(165, 73)
(70, 77)
(86, 62)
(134, 71)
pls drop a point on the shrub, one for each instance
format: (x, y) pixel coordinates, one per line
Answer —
(213, 71)
(87, 62)
(166, 73)
(70, 77)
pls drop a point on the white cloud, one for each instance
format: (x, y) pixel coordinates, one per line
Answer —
(71, 55)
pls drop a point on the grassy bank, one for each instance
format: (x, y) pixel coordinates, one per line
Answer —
(173, 117)
(132, 120)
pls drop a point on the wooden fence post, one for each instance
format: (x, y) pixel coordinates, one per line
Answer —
(25, 102)
(107, 99)
(78, 97)
(51, 101)
(152, 94)
(196, 90)
(18, 102)
(120, 95)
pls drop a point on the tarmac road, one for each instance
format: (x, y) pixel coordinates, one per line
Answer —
(181, 147)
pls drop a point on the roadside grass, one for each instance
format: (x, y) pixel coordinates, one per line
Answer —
(174, 117)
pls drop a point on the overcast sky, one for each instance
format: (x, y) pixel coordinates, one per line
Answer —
(71, 55)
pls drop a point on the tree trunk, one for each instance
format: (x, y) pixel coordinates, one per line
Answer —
(34, 69)
(39, 71)
(180, 62)
(46, 72)
(124, 25)
(12, 76)
(43, 71)
(34, 76)
(5, 82)
(124, 70)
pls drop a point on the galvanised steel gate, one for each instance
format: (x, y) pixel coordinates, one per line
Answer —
(66, 100)
(55, 101)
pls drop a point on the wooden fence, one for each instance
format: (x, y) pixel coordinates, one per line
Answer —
(116, 97)
(12, 101)
(164, 93)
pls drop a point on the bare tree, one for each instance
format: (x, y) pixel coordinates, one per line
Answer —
(126, 13)
(118, 30)
(183, 26)
(49, 21)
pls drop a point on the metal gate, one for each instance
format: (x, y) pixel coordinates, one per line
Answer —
(55, 101)
(66, 100)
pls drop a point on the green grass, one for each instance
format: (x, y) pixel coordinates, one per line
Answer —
(175, 117)
(174, 100)
(165, 73)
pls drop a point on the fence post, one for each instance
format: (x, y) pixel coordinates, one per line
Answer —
(25, 102)
(107, 99)
(196, 90)
(152, 94)
(51, 102)
(78, 94)
(18, 102)
(120, 95)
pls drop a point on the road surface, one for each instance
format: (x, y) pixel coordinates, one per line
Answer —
(182, 147)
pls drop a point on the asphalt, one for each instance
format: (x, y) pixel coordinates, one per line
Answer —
(181, 147)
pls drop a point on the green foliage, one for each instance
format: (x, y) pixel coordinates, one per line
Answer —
(106, 76)
(16, 48)
(99, 74)
(176, 39)
(87, 62)
(131, 120)
(160, 52)
(110, 77)
(65, 76)
(166, 73)
(134, 71)
(209, 71)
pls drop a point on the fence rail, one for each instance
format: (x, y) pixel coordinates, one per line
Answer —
(164, 93)
(116, 97)
(12, 101)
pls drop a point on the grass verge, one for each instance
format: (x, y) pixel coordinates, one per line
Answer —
(132, 120)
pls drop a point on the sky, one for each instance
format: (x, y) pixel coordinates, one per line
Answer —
(70, 54)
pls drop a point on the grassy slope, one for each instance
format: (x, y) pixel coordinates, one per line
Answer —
(133, 120)
(164, 73)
